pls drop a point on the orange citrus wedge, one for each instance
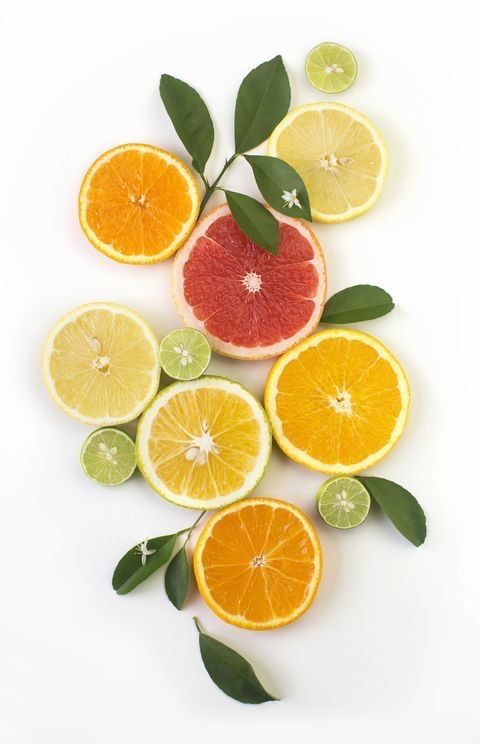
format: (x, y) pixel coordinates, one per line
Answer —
(138, 204)
(258, 563)
(338, 401)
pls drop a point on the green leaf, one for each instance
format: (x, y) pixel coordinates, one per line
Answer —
(258, 224)
(138, 564)
(280, 185)
(230, 671)
(263, 100)
(190, 117)
(400, 506)
(177, 577)
(361, 302)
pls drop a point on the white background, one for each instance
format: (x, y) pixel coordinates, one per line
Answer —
(388, 652)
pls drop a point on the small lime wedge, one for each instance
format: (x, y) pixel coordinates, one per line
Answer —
(185, 354)
(108, 457)
(343, 502)
(331, 67)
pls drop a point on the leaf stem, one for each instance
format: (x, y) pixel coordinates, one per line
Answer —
(210, 189)
(190, 529)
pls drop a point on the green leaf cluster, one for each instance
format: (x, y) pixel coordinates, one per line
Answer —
(263, 99)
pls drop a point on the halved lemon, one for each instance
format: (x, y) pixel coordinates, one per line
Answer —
(338, 401)
(203, 443)
(339, 153)
(258, 563)
(138, 203)
(100, 364)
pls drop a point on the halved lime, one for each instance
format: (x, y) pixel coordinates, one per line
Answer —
(331, 67)
(185, 354)
(108, 456)
(343, 502)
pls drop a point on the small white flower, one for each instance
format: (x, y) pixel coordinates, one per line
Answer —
(291, 199)
(142, 550)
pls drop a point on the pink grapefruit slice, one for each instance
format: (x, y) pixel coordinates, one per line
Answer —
(249, 303)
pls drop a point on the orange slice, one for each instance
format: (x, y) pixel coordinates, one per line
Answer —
(258, 563)
(338, 401)
(138, 204)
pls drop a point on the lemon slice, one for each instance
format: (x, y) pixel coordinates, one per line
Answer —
(101, 365)
(203, 443)
(340, 155)
(331, 67)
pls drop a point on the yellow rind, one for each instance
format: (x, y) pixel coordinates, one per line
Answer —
(353, 212)
(72, 315)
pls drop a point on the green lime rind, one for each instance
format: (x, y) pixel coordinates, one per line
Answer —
(185, 354)
(343, 502)
(108, 456)
(331, 67)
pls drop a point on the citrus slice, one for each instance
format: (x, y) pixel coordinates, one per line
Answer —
(343, 502)
(185, 354)
(258, 563)
(249, 303)
(340, 155)
(331, 67)
(108, 457)
(203, 443)
(138, 203)
(100, 364)
(338, 401)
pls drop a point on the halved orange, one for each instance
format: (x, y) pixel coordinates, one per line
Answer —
(258, 563)
(138, 203)
(338, 401)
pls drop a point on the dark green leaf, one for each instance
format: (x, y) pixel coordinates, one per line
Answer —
(230, 671)
(400, 506)
(280, 185)
(131, 571)
(361, 302)
(190, 117)
(263, 100)
(258, 224)
(177, 577)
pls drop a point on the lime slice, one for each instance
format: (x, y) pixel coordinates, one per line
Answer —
(331, 67)
(343, 502)
(108, 457)
(185, 354)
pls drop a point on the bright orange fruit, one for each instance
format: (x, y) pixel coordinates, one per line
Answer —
(138, 203)
(258, 563)
(338, 401)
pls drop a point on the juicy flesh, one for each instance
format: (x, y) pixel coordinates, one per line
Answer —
(204, 443)
(138, 203)
(337, 157)
(338, 401)
(259, 563)
(102, 364)
(243, 294)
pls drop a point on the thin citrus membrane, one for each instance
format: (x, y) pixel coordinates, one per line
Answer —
(100, 364)
(203, 443)
(338, 401)
(138, 203)
(258, 563)
(340, 155)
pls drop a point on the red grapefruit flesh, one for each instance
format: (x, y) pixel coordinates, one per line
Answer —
(250, 304)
